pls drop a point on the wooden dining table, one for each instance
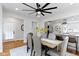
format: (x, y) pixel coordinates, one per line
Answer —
(50, 44)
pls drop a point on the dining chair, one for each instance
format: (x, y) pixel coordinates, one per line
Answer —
(63, 48)
(72, 43)
(43, 47)
(52, 36)
(30, 42)
(64, 45)
(37, 45)
(44, 35)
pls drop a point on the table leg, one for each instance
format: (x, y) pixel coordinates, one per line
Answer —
(77, 44)
(57, 48)
(46, 50)
(76, 47)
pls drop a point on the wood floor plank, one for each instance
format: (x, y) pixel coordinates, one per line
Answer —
(7, 45)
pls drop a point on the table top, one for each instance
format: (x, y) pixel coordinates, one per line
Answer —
(50, 43)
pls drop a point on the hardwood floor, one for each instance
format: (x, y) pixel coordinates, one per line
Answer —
(73, 52)
(7, 45)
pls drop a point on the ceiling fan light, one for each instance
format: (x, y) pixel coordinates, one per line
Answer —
(39, 12)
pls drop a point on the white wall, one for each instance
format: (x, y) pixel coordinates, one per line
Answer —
(13, 20)
(72, 23)
(12, 23)
(1, 32)
(27, 27)
(67, 13)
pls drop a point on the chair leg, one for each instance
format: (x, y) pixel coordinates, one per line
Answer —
(31, 52)
(28, 49)
(46, 50)
(76, 47)
(67, 47)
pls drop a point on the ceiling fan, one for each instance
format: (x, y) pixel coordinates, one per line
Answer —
(39, 10)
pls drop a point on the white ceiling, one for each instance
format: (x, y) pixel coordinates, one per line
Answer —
(61, 7)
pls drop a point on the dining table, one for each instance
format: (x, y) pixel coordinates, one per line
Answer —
(48, 43)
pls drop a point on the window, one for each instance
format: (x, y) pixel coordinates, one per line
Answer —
(9, 35)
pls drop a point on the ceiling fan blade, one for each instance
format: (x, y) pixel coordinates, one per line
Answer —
(47, 12)
(50, 8)
(45, 5)
(38, 5)
(28, 5)
(42, 14)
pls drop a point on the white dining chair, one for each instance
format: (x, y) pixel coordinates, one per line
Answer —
(63, 49)
(72, 44)
(64, 45)
(29, 43)
(44, 35)
(37, 45)
(52, 36)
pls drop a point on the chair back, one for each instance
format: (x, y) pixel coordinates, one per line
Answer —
(64, 45)
(44, 35)
(52, 36)
(29, 41)
(37, 45)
